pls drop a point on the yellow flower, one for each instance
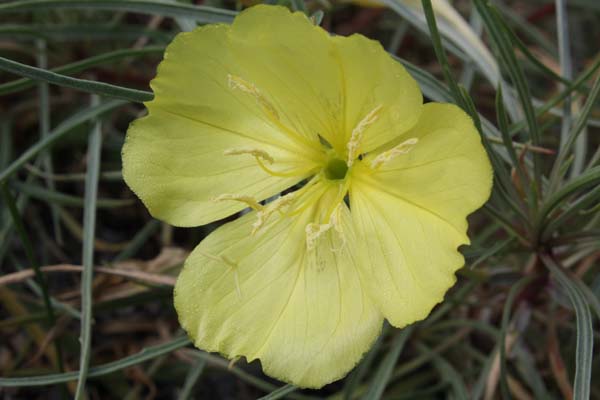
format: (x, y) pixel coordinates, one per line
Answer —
(376, 189)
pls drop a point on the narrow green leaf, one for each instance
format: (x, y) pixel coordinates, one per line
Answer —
(589, 199)
(44, 129)
(202, 14)
(54, 197)
(58, 132)
(585, 335)
(580, 124)
(191, 379)
(530, 56)
(587, 179)
(79, 33)
(502, 42)
(510, 299)
(448, 373)
(99, 88)
(89, 235)
(556, 99)
(9, 201)
(280, 392)
(440, 53)
(384, 372)
(81, 65)
(146, 354)
(508, 143)
(138, 240)
(531, 373)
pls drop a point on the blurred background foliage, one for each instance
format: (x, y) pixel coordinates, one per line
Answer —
(86, 274)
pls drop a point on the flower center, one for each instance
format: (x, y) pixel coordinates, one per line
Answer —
(336, 169)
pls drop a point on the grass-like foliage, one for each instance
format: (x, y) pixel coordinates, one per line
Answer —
(86, 275)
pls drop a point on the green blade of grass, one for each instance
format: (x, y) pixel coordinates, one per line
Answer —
(556, 99)
(146, 354)
(502, 42)
(75, 32)
(384, 372)
(138, 240)
(528, 29)
(81, 65)
(84, 85)
(280, 392)
(508, 145)
(585, 334)
(587, 179)
(504, 326)
(191, 379)
(89, 234)
(223, 364)
(44, 129)
(448, 373)
(57, 133)
(505, 186)
(200, 14)
(578, 127)
(9, 201)
(440, 52)
(54, 197)
(587, 200)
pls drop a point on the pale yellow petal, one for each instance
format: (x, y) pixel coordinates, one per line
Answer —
(410, 214)
(209, 116)
(447, 171)
(304, 314)
(373, 80)
(178, 167)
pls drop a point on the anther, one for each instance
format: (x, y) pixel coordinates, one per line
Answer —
(357, 134)
(314, 231)
(387, 156)
(235, 82)
(253, 151)
(277, 205)
(250, 201)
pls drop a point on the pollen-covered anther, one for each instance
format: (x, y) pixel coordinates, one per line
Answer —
(253, 151)
(357, 134)
(314, 231)
(276, 206)
(249, 200)
(235, 82)
(387, 156)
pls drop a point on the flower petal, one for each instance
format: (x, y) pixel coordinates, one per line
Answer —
(411, 213)
(303, 313)
(373, 79)
(212, 96)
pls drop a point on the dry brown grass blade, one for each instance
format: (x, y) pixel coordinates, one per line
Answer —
(10, 302)
(130, 274)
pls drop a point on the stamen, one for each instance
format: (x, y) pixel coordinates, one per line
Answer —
(253, 151)
(357, 134)
(387, 156)
(235, 82)
(261, 157)
(264, 214)
(250, 201)
(231, 264)
(314, 231)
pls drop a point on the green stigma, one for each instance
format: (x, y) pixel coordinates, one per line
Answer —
(336, 169)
